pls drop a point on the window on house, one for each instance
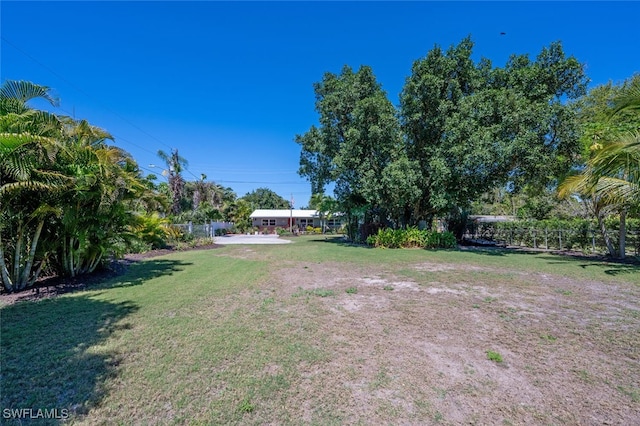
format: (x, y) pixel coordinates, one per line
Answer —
(272, 222)
(265, 222)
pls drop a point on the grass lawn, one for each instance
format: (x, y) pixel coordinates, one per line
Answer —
(320, 332)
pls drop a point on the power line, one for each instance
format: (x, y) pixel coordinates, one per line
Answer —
(115, 137)
(263, 182)
(52, 71)
(129, 122)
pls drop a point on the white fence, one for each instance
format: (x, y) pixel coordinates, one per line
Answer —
(205, 229)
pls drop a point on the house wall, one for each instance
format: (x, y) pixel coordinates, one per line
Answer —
(272, 223)
(301, 223)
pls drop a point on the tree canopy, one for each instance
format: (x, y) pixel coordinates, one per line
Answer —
(264, 198)
(462, 129)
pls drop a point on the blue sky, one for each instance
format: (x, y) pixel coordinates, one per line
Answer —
(230, 84)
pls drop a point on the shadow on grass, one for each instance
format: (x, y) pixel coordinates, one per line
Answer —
(486, 250)
(120, 274)
(338, 240)
(139, 272)
(48, 362)
(609, 266)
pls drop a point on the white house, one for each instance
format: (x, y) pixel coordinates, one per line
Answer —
(269, 220)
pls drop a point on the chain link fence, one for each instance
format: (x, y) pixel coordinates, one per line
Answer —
(205, 230)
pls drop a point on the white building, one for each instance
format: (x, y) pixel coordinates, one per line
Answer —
(268, 220)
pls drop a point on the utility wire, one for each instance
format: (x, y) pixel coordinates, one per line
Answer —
(52, 71)
(72, 85)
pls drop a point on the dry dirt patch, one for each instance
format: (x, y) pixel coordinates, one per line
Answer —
(415, 352)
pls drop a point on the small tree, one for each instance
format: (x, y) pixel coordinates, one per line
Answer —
(175, 163)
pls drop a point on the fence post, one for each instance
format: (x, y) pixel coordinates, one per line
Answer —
(535, 245)
(560, 238)
(546, 238)
(190, 227)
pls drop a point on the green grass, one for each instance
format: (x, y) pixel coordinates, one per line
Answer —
(494, 356)
(201, 337)
(320, 292)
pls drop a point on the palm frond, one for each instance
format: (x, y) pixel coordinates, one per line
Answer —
(25, 91)
(617, 191)
(620, 159)
(29, 185)
(629, 98)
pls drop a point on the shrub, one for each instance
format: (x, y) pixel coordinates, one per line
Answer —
(282, 231)
(411, 238)
(151, 231)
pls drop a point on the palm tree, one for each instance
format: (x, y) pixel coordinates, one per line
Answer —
(239, 213)
(95, 213)
(175, 164)
(326, 206)
(590, 190)
(611, 178)
(65, 195)
(28, 180)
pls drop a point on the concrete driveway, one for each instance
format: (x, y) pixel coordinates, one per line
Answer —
(250, 239)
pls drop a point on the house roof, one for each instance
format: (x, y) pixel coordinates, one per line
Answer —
(298, 214)
(491, 219)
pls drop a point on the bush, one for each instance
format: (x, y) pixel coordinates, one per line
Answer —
(151, 231)
(411, 238)
(283, 231)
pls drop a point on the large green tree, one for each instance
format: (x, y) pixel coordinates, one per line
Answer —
(473, 127)
(358, 147)
(264, 198)
(464, 129)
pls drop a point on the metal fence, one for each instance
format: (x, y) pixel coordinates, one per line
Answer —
(205, 230)
(585, 240)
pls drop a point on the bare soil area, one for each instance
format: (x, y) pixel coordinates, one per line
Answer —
(415, 350)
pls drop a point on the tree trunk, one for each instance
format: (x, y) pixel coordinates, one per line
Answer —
(21, 276)
(623, 233)
(4, 271)
(605, 236)
(24, 281)
(17, 257)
